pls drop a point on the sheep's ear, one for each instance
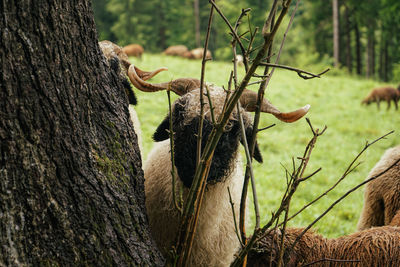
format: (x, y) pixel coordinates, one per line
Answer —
(257, 153)
(178, 115)
(162, 131)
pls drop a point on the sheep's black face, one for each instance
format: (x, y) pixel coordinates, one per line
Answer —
(185, 138)
(116, 68)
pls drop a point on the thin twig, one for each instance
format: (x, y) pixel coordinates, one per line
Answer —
(188, 224)
(237, 38)
(203, 67)
(344, 175)
(266, 128)
(340, 199)
(171, 138)
(299, 71)
(193, 200)
(250, 165)
(290, 190)
(211, 105)
(234, 217)
(327, 259)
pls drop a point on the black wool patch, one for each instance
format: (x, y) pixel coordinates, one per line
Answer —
(161, 132)
(129, 92)
(257, 153)
(186, 148)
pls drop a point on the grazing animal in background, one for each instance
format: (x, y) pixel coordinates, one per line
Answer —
(118, 62)
(197, 53)
(239, 60)
(382, 195)
(215, 242)
(176, 50)
(387, 94)
(378, 246)
(133, 50)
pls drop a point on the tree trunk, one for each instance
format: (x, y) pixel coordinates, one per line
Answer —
(197, 22)
(163, 28)
(335, 9)
(71, 182)
(370, 65)
(348, 41)
(386, 61)
(358, 49)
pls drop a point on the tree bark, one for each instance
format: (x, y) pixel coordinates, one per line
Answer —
(71, 182)
(335, 11)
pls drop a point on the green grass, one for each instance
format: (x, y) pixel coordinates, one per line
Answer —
(335, 102)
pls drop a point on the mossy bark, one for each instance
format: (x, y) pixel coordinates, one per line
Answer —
(71, 180)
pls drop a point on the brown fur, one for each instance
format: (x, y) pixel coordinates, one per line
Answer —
(378, 246)
(382, 195)
(133, 50)
(396, 219)
(176, 50)
(387, 94)
(197, 53)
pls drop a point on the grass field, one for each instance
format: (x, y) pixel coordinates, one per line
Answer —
(335, 102)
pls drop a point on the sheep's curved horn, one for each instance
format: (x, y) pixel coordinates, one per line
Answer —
(144, 75)
(248, 101)
(179, 86)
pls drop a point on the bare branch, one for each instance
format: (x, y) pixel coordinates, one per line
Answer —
(266, 128)
(346, 172)
(330, 260)
(234, 217)
(340, 199)
(171, 138)
(299, 71)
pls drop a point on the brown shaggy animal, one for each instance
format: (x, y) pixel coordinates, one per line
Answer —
(379, 246)
(176, 50)
(382, 195)
(133, 50)
(197, 53)
(387, 94)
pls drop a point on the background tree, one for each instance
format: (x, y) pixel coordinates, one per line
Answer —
(335, 19)
(71, 182)
(367, 35)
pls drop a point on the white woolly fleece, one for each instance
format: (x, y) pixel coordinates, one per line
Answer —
(215, 241)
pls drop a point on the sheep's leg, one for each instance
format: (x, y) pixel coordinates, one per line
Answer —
(388, 107)
(377, 103)
(395, 104)
(373, 211)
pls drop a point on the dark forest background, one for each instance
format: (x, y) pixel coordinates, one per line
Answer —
(367, 40)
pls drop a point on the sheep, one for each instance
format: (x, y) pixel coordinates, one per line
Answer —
(133, 50)
(382, 195)
(118, 61)
(176, 50)
(379, 246)
(384, 93)
(239, 60)
(197, 53)
(215, 242)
